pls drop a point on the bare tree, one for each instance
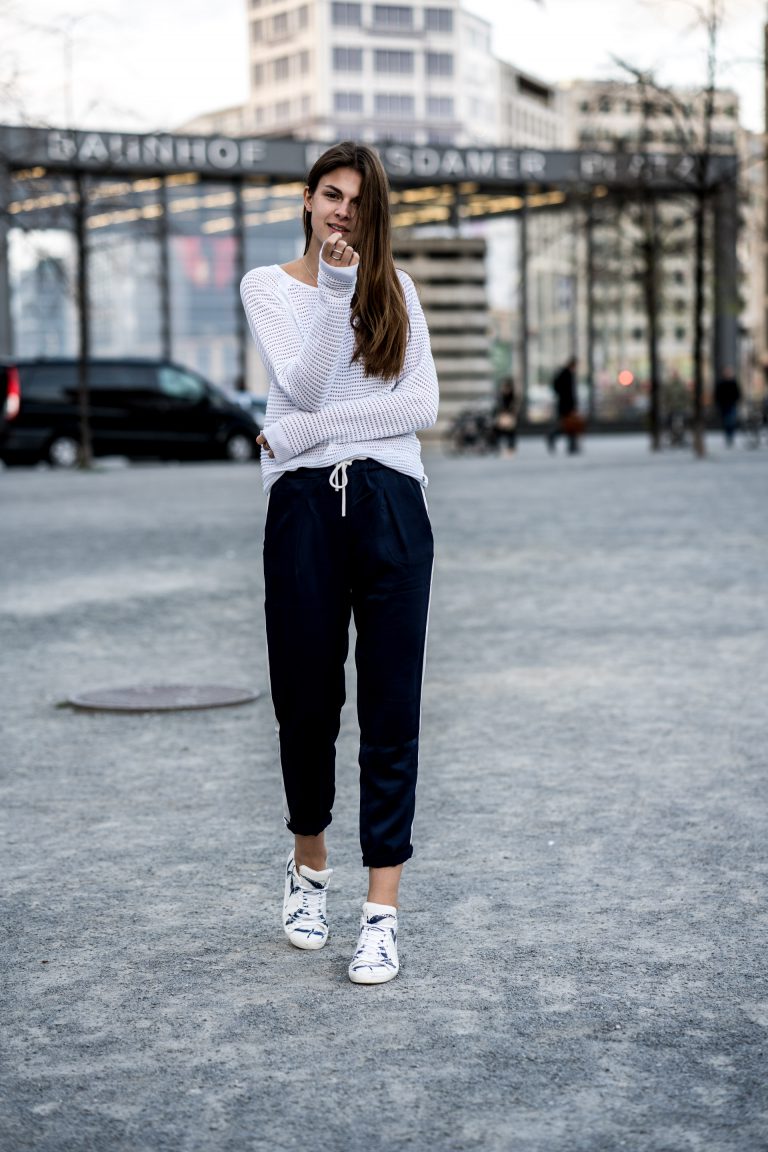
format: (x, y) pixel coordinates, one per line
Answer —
(691, 123)
(72, 214)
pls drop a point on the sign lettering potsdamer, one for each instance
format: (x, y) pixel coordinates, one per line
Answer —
(407, 164)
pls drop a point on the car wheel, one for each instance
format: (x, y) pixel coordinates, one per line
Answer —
(64, 452)
(240, 448)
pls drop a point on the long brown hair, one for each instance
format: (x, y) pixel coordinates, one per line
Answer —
(379, 314)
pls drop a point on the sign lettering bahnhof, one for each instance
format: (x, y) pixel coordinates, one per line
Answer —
(228, 156)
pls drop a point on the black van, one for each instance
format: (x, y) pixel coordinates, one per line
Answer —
(138, 408)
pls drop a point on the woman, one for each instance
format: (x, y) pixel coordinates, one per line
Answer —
(343, 338)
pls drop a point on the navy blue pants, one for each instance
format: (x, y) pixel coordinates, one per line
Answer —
(375, 563)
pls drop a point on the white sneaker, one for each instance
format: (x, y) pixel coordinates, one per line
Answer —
(304, 905)
(375, 960)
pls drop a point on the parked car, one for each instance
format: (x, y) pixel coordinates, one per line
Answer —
(256, 405)
(138, 409)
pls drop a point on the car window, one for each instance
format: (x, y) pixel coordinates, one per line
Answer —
(48, 382)
(57, 382)
(181, 385)
(119, 377)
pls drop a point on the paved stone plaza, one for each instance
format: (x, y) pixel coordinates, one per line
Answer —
(583, 927)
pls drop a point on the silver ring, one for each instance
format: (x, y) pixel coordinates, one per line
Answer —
(336, 255)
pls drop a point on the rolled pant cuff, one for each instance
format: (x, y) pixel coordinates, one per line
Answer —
(387, 860)
(306, 830)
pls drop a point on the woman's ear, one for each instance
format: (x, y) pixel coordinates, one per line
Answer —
(307, 199)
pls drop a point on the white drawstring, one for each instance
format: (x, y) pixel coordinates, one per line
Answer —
(340, 485)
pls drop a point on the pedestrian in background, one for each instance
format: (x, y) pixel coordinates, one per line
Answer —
(505, 418)
(568, 420)
(344, 340)
(727, 399)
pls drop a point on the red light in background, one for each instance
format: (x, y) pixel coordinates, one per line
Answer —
(13, 394)
(626, 378)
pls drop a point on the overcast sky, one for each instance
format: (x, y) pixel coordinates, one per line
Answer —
(152, 64)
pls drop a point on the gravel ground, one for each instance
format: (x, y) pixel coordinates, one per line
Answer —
(583, 927)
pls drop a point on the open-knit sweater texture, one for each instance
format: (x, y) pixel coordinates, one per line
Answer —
(321, 407)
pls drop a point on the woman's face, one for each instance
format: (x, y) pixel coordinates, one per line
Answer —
(334, 204)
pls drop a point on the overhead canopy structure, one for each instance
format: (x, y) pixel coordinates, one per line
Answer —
(119, 181)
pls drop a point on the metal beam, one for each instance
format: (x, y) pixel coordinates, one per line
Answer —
(6, 325)
(726, 273)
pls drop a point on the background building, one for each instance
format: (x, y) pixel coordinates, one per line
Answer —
(630, 117)
(325, 70)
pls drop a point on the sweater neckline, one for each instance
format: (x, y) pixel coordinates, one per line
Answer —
(293, 278)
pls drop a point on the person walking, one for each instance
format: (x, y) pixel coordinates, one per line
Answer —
(505, 418)
(727, 399)
(344, 340)
(568, 419)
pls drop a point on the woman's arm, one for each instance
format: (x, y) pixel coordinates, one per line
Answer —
(304, 368)
(410, 405)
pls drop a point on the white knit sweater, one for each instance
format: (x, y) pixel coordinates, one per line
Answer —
(321, 407)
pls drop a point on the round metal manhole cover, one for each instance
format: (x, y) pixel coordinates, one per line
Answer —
(163, 698)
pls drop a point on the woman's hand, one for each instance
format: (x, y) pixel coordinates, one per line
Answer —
(337, 251)
(261, 439)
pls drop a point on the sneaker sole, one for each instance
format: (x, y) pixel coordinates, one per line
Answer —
(370, 978)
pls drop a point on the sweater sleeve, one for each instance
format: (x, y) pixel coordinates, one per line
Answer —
(408, 405)
(304, 367)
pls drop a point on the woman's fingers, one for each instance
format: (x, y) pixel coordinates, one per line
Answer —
(261, 439)
(335, 250)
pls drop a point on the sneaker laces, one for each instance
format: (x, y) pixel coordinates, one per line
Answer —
(311, 901)
(372, 947)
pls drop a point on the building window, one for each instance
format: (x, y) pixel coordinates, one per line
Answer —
(439, 138)
(303, 16)
(349, 102)
(440, 107)
(281, 68)
(347, 15)
(397, 106)
(638, 334)
(479, 39)
(387, 60)
(680, 335)
(257, 31)
(392, 16)
(348, 59)
(304, 63)
(306, 106)
(283, 109)
(439, 63)
(280, 24)
(438, 19)
(258, 75)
